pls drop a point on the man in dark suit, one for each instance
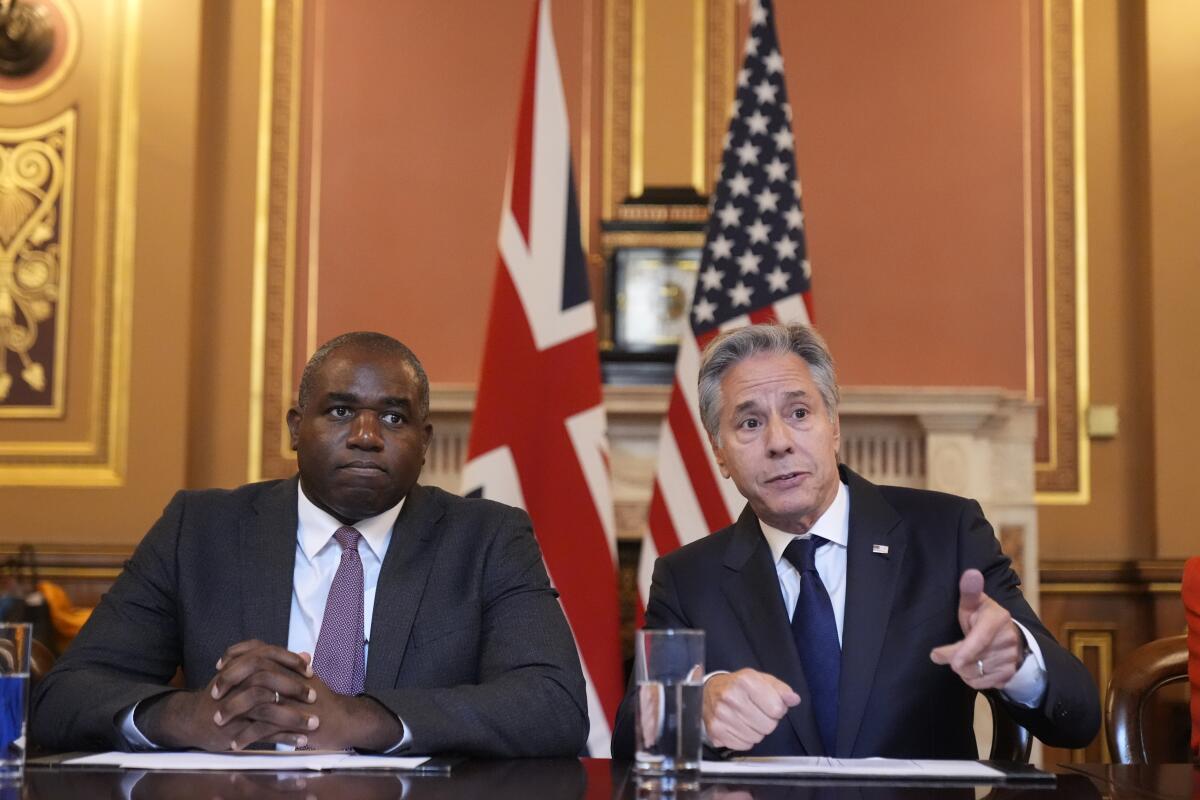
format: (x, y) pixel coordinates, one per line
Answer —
(845, 618)
(265, 596)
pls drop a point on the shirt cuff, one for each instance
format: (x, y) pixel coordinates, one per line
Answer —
(1028, 686)
(129, 729)
(703, 730)
(405, 740)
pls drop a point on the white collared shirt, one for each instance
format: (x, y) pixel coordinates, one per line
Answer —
(1026, 687)
(317, 557)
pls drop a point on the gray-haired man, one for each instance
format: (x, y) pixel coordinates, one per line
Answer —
(845, 618)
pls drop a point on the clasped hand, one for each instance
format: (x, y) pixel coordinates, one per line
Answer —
(265, 693)
(992, 647)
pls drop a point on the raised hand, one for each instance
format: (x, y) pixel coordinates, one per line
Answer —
(992, 647)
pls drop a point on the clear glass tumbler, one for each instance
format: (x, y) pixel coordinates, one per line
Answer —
(15, 642)
(669, 671)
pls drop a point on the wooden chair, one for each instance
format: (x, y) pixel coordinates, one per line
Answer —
(1010, 741)
(41, 660)
(1146, 670)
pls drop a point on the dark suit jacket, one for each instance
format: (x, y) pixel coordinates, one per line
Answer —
(469, 645)
(892, 700)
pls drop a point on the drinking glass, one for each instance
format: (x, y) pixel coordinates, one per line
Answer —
(669, 671)
(15, 644)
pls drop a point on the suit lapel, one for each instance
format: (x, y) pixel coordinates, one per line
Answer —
(402, 579)
(751, 585)
(870, 584)
(267, 564)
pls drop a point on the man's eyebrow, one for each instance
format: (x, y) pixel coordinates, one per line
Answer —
(341, 397)
(753, 403)
(350, 397)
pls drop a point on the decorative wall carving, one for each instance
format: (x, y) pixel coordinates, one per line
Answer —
(85, 442)
(36, 181)
(1064, 476)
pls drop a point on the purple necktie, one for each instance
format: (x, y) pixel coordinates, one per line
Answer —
(338, 659)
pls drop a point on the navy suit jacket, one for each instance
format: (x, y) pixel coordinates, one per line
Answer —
(892, 700)
(469, 645)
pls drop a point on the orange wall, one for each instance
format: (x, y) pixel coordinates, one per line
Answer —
(419, 117)
(909, 123)
(908, 120)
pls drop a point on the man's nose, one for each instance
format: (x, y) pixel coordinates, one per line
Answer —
(364, 431)
(778, 438)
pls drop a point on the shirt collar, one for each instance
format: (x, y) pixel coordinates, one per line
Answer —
(833, 525)
(317, 527)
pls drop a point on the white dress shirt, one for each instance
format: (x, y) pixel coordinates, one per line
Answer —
(1026, 687)
(317, 557)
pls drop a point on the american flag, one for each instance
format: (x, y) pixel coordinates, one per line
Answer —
(538, 437)
(753, 269)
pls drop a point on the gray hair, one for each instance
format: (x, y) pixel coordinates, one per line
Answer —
(732, 347)
(372, 342)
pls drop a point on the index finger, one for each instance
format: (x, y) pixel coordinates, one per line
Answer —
(992, 619)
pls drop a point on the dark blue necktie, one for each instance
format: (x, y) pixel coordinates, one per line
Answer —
(815, 632)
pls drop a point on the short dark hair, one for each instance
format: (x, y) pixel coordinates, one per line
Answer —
(375, 343)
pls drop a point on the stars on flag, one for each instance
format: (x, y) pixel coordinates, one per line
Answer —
(755, 253)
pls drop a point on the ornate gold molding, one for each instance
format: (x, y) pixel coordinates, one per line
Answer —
(713, 55)
(274, 295)
(37, 179)
(99, 458)
(1098, 638)
(1065, 477)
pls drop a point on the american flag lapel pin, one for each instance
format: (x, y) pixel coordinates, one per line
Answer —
(881, 549)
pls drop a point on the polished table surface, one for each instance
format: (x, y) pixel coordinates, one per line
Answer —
(550, 779)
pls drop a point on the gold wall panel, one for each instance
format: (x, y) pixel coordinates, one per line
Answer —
(631, 126)
(1065, 476)
(1093, 644)
(37, 177)
(270, 454)
(86, 443)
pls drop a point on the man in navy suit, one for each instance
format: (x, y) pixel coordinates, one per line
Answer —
(845, 618)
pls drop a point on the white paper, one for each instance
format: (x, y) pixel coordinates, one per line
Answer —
(854, 768)
(272, 761)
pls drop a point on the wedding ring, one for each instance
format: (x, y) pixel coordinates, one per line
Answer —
(978, 663)
(277, 693)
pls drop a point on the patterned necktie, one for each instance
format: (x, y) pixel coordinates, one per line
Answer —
(815, 632)
(338, 659)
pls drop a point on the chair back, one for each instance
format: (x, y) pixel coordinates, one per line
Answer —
(1146, 670)
(1010, 741)
(1191, 609)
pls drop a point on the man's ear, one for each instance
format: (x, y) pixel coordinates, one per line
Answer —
(426, 436)
(718, 453)
(293, 423)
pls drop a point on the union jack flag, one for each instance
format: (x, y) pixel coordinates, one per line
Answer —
(754, 268)
(538, 436)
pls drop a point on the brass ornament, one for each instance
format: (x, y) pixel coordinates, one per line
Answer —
(26, 37)
(33, 174)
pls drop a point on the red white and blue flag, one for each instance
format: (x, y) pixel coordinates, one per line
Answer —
(538, 437)
(754, 268)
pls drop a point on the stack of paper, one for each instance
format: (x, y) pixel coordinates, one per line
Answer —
(274, 761)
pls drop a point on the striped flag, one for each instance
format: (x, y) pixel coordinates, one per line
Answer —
(753, 269)
(538, 436)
